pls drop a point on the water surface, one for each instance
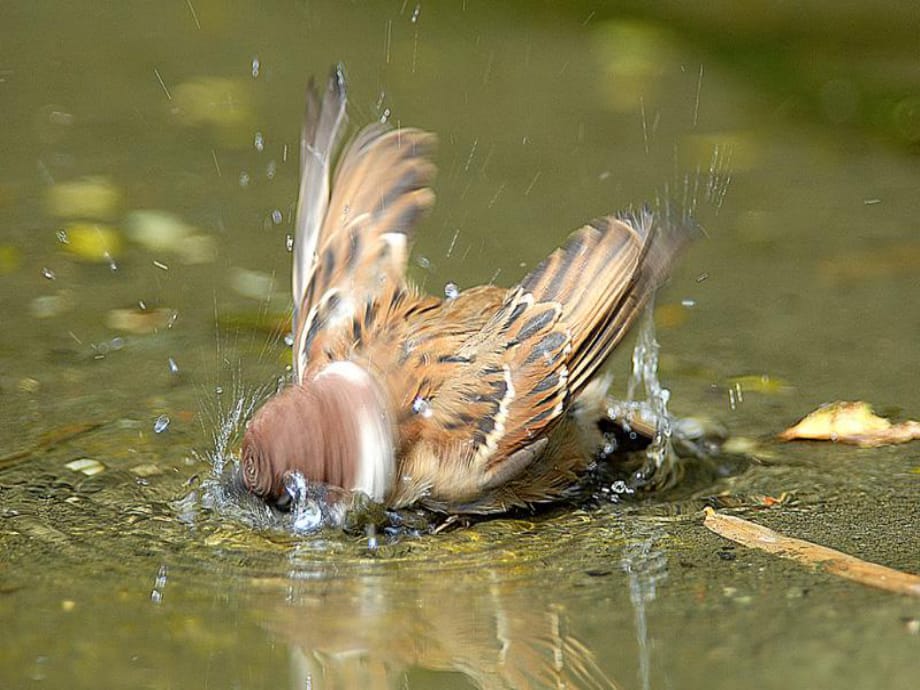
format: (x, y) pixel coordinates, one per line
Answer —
(795, 136)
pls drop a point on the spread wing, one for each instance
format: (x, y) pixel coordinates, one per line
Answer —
(551, 334)
(352, 232)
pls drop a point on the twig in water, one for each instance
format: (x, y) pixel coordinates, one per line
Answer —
(828, 560)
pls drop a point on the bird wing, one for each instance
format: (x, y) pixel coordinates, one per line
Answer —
(353, 230)
(548, 338)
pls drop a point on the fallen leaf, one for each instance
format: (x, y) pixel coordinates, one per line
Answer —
(89, 197)
(761, 383)
(853, 423)
(139, 321)
(94, 242)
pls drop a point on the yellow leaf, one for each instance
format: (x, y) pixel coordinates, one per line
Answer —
(851, 422)
(89, 197)
(92, 241)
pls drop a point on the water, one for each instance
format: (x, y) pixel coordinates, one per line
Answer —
(125, 563)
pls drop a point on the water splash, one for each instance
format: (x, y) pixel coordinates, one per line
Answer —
(314, 506)
(660, 468)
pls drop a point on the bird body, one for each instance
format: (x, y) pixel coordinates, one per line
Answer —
(462, 404)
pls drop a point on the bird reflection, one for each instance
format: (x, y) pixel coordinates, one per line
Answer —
(371, 632)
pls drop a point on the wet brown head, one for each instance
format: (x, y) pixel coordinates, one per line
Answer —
(333, 429)
(288, 434)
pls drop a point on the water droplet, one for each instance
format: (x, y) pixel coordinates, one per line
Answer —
(244, 179)
(173, 367)
(142, 305)
(100, 350)
(161, 424)
(372, 542)
(289, 339)
(415, 13)
(159, 584)
(421, 406)
(688, 303)
(289, 242)
(271, 169)
(451, 291)
(620, 487)
(385, 116)
(48, 274)
(117, 343)
(62, 237)
(219, 390)
(259, 142)
(295, 485)
(735, 396)
(112, 265)
(256, 67)
(701, 277)
(423, 262)
(277, 217)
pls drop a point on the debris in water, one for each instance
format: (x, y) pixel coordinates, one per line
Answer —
(828, 560)
(94, 242)
(139, 321)
(761, 383)
(86, 466)
(853, 423)
(88, 197)
(161, 424)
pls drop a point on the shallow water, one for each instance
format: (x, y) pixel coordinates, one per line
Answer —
(794, 135)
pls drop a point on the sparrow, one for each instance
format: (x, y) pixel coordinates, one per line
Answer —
(470, 403)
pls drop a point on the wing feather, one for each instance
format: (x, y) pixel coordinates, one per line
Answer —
(550, 336)
(353, 236)
(323, 128)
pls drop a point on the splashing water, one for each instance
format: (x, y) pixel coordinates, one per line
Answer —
(314, 506)
(306, 506)
(660, 469)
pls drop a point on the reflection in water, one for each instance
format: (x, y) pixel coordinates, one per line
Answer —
(371, 631)
(646, 566)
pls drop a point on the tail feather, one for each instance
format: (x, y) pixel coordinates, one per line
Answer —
(602, 277)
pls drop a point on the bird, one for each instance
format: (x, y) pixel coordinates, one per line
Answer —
(469, 403)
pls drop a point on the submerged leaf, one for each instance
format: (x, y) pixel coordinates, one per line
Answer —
(851, 422)
(93, 241)
(88, 197)
(761, 383)
(139, 321)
